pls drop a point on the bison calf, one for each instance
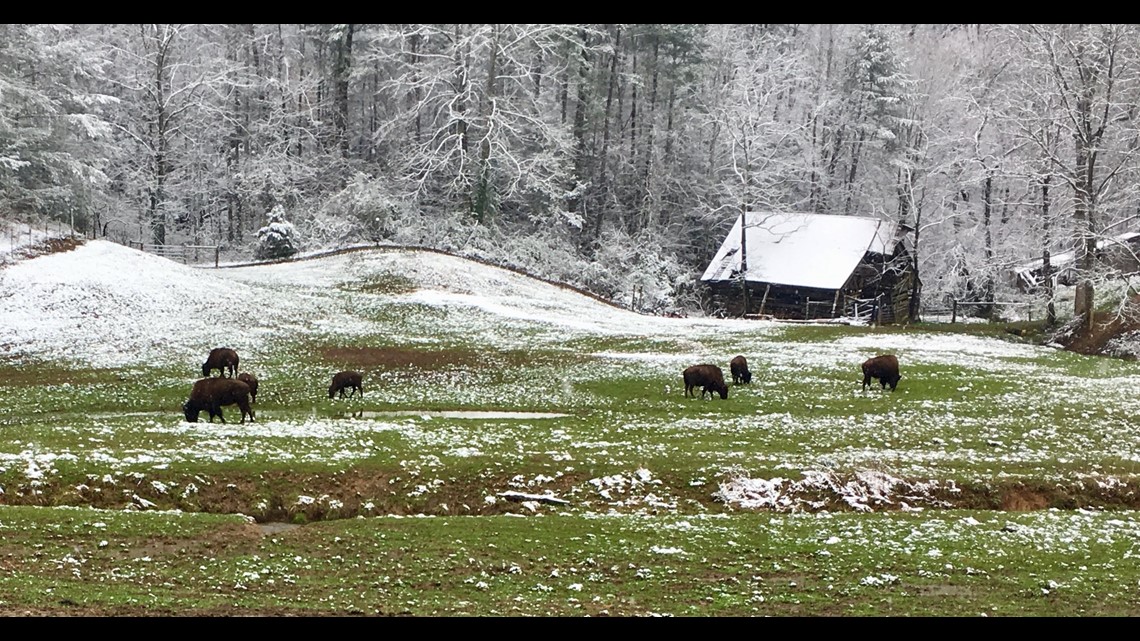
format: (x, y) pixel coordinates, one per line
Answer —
(221, 359)
(739, 368)
(211, 394)
(708, 377)
(885, 368)
(251, 380)
(344, 380)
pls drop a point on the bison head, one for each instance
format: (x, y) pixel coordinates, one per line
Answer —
(746, 377)
(206, 369)
(721, 389)
(191, 412)
(332, 390)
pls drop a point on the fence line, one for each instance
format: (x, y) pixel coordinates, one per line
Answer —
(18, 230)
(953, 310)
(179, 252)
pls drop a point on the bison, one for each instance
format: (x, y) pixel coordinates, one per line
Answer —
(884, 367)
(343, 380)
(739, 368)
(251, 380)
(709, 377)
(211, 394)
(220, 359)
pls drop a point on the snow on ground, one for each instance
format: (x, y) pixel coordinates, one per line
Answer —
(109, 305)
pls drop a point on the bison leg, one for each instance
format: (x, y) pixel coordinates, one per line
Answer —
(866, 381)
(245, 409)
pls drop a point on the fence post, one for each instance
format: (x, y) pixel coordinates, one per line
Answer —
(217, 250)
(954, 313)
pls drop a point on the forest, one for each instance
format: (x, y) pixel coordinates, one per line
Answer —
(614, 157)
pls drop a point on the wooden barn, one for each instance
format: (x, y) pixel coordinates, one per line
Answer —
(1120, 253)
(809, 266)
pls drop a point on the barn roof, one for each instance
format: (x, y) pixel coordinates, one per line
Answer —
(802, 250)
(1062, 259)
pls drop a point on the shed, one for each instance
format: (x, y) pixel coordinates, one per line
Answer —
(1120, 253)
(807, 266)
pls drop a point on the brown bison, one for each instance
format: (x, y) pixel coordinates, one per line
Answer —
(885, 368)
(344, 380)
(708, 377)
(739, 368)
(251, 380)
(211, 394)
(221, 359)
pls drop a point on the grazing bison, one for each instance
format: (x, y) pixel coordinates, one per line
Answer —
(251, 380)
(211, 394)
(885, 368)
(220, 359)
(739, 368)
(344, 380)
(708, 377)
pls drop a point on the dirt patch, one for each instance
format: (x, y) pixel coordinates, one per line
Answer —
(443, 359)
(288, 497)
(1108, 330)
(44, 247)
(398, 357)
(1020, 499)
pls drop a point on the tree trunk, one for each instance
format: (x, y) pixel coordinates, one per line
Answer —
(849, 188)
(341, 72)
(599, 209)
(483, 201)
(987, 208)
(1046, 266)
(645, 195)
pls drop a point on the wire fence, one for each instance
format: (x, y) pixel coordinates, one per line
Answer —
(18, 235)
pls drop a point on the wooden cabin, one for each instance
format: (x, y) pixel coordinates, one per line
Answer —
(810, 266)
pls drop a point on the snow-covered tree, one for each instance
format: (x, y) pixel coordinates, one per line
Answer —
(277, 239)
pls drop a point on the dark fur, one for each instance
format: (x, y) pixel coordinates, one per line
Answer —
(251, 380)
(739, 368)
(220, 359)
(211, 394)
(344, 380)
(885, 368)
(708, 377)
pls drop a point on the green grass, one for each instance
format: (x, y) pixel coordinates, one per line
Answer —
(951, 563)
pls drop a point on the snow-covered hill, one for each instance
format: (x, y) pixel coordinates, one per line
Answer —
(107, 305)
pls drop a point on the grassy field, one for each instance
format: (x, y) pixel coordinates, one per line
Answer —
(1000, 478)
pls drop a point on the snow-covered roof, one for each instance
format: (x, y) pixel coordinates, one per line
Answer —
(1063, 259)
(803, 250)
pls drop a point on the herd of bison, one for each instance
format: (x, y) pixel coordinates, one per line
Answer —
(211, 394)
(710, 378)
